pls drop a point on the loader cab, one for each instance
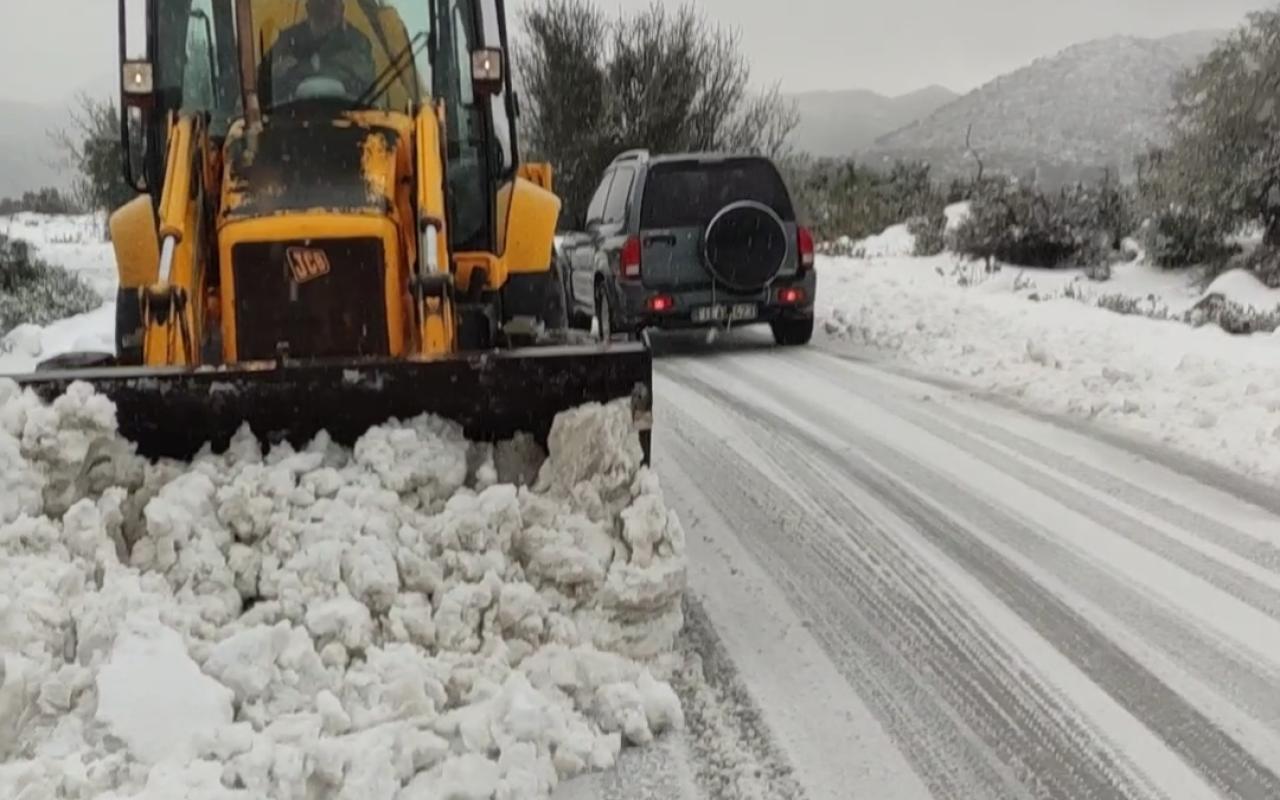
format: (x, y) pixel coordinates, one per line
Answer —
(420, 49)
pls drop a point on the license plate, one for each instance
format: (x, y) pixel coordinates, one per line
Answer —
(726, 313)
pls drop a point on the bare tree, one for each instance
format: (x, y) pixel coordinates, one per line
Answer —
(665, 80)
(764, 125)
(562, 76)
(92, 147)
(968, 148)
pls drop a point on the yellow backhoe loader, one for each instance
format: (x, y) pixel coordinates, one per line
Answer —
(334, 229)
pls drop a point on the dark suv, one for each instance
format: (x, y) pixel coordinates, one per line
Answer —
(690, 241)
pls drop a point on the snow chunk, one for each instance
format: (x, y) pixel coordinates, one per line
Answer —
(1244, 289)
(154, 698)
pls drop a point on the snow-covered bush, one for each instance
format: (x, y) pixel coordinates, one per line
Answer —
(929, 232)
(1232, 317)
(1220, 169)
(843, 198)
(386, 622)
(36, 292)
(1017, 224)
(44, 201)
(1176, 237)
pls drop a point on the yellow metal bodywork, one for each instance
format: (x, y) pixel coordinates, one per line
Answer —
(406, 171)
(135, 242)
(314, 227)
(527, 235)
(525, 239)
(538, 173)
(388, 172)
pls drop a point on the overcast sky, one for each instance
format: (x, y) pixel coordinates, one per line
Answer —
(49, 49)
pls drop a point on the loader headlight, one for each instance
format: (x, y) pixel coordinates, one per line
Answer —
(138, 78)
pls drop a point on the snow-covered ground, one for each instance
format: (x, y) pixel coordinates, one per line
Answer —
(934, 595)
(76, 244)
(1026, 334)
(399, 620)
(404, 620)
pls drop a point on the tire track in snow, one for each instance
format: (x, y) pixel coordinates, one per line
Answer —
(1201, 743)
(972, 725)
(1192, 468)
(780, 537)
(1242, 679)
(735, 757)
(1223, 561)
(1238, 680)
(1260, 545)
(726, 750)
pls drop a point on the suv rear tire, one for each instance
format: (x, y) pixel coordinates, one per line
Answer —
(792, 332)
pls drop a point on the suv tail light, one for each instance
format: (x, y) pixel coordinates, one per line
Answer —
(630, 260)
(660, 303)
(805, 242)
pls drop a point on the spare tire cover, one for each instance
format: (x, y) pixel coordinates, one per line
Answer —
(746, 245)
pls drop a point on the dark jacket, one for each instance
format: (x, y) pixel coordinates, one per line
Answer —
(344, 54)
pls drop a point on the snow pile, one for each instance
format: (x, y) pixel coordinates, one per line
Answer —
(22, 348)
(957, 214)
(1243, 288)
(389, 621)
(1197, 389)
(894, 242)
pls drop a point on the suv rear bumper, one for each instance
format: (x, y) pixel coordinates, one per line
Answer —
(634, 311)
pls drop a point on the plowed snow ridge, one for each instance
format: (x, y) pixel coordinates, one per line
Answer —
(391, 621)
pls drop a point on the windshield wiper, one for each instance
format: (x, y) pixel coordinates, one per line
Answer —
(392, 73)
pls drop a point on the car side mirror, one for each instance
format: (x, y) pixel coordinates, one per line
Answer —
(486, 72)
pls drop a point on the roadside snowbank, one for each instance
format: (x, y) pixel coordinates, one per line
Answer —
(22, 348)
(390, 621)
(1198, 389)
(73, 242)
(895, 241)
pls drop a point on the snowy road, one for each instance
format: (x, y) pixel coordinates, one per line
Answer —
(928, 594)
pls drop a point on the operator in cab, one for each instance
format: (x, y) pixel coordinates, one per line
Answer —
(320, 56)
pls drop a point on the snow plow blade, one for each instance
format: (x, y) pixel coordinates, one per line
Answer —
(174, 412)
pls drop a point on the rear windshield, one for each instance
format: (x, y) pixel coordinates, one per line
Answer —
(689, 194)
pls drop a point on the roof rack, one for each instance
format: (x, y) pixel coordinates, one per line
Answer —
(632, 155)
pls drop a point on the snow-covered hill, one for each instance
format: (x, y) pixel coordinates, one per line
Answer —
(1092, 106)
(839, 124)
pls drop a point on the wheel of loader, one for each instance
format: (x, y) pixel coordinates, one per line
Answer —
(555, 310)
(128, 328)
